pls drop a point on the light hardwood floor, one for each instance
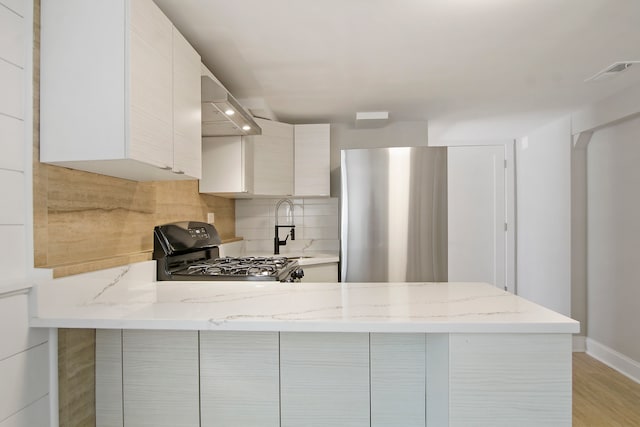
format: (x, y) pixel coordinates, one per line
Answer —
(602, 397)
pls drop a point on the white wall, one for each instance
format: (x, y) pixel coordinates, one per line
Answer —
(543, 206)
(316, 221)
(24, 352)
(614, 237)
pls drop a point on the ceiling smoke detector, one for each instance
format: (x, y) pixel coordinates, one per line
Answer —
(612, 70)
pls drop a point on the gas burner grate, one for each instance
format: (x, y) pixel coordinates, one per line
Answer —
(242, 266)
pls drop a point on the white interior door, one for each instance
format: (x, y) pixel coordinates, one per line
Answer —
(476, 214)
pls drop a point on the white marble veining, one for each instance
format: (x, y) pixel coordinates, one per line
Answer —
(129, 298)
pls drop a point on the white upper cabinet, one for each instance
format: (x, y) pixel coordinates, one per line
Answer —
(247, 166)
(187, 117)
(120, 91)
(311, 160)
(273, 159)
(286, 160)
(227, 166)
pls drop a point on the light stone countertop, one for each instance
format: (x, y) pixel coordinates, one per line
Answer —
(129, 298)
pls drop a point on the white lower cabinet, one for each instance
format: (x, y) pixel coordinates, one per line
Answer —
(324, 379)
(109, 378)
(239, 379)
(510, 379)
(398, 380)
(160, 378)
(319, 273)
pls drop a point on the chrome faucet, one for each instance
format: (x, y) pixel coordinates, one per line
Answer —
(276, 240)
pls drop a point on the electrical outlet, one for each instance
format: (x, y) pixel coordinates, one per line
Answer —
(210, 217)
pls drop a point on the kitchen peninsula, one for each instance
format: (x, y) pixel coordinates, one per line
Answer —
(356, 354)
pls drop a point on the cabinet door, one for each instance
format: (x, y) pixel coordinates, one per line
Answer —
(187, 133)
(239, 379)
(227, 165)
(320, 273)
(324, 379)
(398, 380)
(490, 386)
(160, 378)
(273, 159)
(151, 82)
(109, 378)
(311, 164)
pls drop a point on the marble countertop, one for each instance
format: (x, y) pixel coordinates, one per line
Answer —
(129, 298)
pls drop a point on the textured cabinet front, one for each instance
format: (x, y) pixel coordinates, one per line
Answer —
(509, 379)
(109, 412)
(187, 133)
(160, 378)
(324, 379)
(239, 379)
(273, 159)
(312, 160)
(398, 380)
(151, 137)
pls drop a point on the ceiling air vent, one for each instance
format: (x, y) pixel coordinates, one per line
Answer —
(612, 70)
(371, 119)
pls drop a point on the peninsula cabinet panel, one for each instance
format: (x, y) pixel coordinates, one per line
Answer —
(109, 412)
(160, 378)
(324, 379)
(510, 379)
(239, 379)
(398, 381)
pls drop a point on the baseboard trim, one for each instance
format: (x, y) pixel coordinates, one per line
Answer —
(618, 361)
(579, 344)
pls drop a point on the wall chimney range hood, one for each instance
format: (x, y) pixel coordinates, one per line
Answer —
(222, 114)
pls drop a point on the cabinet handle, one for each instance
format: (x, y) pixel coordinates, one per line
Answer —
(165, 168)
(178, 172)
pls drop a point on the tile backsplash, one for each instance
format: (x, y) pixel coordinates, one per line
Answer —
(316, 221)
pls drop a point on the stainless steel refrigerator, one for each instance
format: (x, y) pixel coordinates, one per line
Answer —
(393, 214)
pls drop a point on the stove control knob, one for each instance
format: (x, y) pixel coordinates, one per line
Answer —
(298, 273)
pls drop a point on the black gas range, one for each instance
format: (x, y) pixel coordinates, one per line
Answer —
(189, 251)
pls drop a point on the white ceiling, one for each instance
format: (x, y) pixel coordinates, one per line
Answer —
(467, 63)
